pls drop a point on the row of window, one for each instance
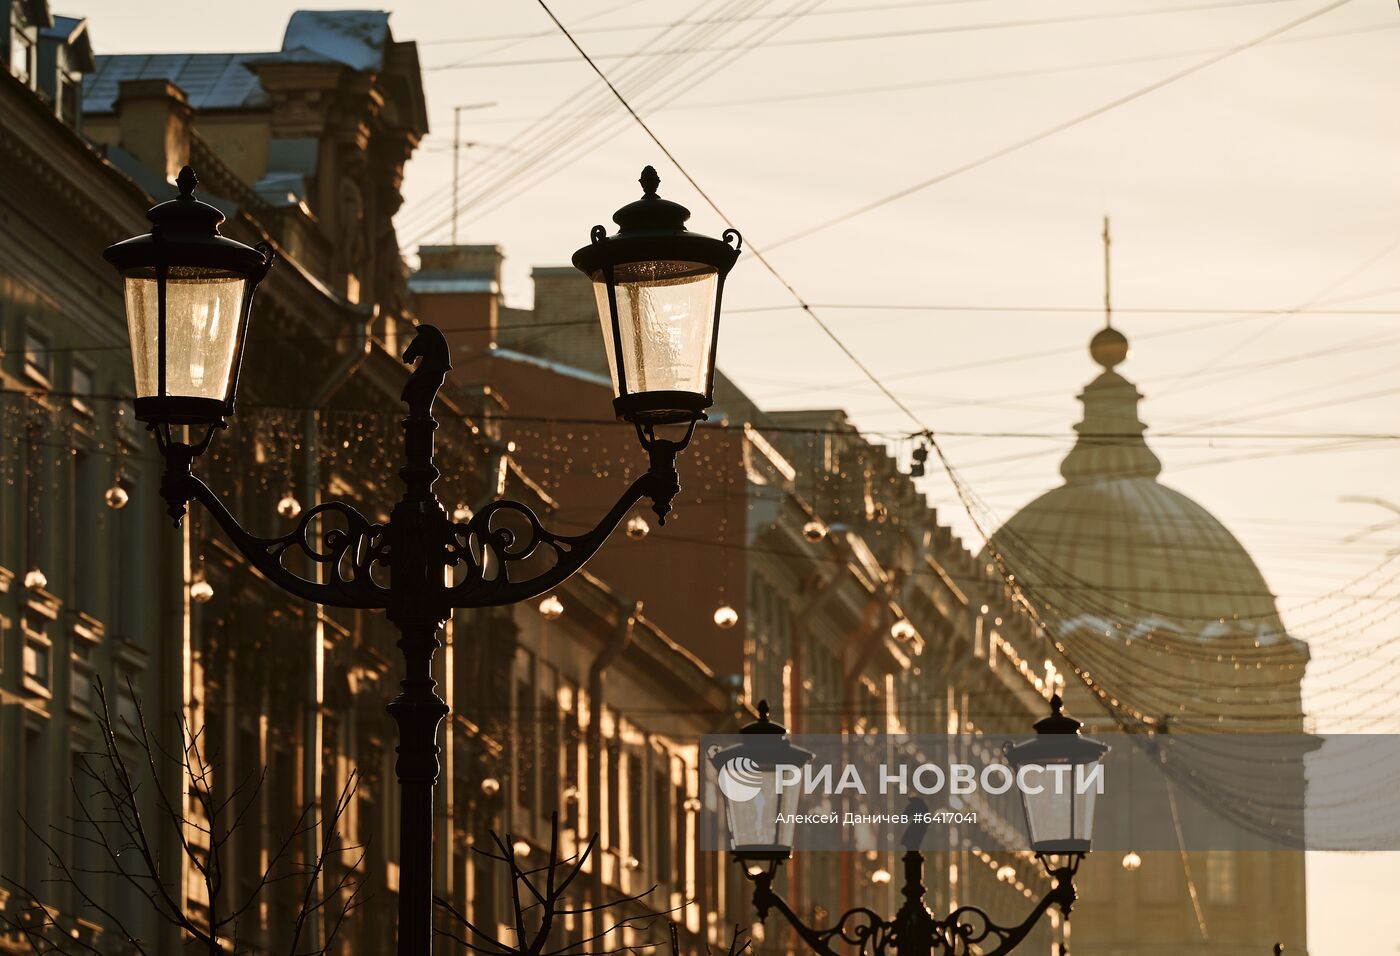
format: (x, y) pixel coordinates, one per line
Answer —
(645, 804)
(41, 368)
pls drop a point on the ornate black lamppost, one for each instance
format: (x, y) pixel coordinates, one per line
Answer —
(189, 294)
(1059, 821)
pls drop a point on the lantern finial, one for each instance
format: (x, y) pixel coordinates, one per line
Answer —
(650, 181)
(1057, 704)
(762, 704)
(186, 181)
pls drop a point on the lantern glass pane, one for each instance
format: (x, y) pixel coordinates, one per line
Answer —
(1084, 814)
(764, 820)
(666, 315)
(787, 809)
(203, 312)
(1048, 812)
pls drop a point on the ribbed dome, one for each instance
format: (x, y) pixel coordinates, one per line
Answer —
(1114, 549)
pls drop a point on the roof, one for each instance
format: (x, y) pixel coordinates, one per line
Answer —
(357, 39)
(432, 281)
(559, 368)
(211, 81)
(1113, 549)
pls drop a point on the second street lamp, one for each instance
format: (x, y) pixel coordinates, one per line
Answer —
(659, 289)
(189, 294)
(759, 812)
(1059, 820)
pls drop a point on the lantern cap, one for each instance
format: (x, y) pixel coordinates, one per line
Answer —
(185, 233)
(1057, 740)
(653, 229)
(763, 725)
(766, 743)
(1058, 722)
(184, 213)
(651, 213)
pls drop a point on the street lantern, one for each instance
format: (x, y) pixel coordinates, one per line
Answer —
(1059, 817)
(760, 813)
(188, 294)
(659, 288)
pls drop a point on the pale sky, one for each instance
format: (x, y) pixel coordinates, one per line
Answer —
(1264, 181)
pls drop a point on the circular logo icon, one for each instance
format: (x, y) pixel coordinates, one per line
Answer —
(740, 779)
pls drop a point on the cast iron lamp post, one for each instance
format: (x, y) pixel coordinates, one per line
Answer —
(189, 294)
(1060, 825)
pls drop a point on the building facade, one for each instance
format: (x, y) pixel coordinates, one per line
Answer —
(304, 147)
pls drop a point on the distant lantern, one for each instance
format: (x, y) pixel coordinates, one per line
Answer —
(814, 531)
(726, 617)
(659, 288)
(760, 813)
(188, 294)
(288, 507)
(551, 607)
(35, 580)
(637, 528)
(201, 591)
(902, 630)
(1059, 816)
(880, 876)
(1131, 861)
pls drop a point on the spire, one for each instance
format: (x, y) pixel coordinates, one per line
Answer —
(1107, 284)
(1110, 441)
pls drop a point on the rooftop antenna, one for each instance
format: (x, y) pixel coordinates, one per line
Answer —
(1107, 285)
(457, 158)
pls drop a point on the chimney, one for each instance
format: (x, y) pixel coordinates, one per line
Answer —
(458, 288)
(154, 124)
(564, 324)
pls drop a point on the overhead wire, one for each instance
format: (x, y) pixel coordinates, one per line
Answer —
(1055, 129)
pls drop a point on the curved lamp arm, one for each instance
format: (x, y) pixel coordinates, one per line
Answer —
(402, 565)
(860, 927)
(353, 550)
(489, 547)
(348, 553)
(966, 930)
(968, 926)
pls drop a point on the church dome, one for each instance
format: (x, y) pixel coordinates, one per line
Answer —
(1114, 550)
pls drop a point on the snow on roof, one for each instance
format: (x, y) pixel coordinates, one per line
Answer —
(356, 38)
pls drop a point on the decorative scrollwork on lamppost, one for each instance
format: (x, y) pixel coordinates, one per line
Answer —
(1059, 823)
(189, 293)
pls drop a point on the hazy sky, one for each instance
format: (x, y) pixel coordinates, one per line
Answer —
(1264, 181)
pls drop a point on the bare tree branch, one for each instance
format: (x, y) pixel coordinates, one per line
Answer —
(203, 816)
(540, 904)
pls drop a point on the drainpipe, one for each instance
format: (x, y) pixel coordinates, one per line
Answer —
(815, 592)
(628, 614)
(312, 738)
